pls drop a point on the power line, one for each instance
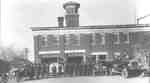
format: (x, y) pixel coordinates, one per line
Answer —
(140, 18)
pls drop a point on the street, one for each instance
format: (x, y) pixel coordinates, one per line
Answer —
(108, 79)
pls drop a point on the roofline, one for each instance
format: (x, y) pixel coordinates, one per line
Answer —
(91, 27)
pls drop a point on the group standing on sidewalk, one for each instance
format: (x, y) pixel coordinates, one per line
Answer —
(41, 71)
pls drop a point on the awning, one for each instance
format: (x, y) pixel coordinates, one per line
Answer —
(99, 53)
(75, 51)
(117, 53)
(49, 52)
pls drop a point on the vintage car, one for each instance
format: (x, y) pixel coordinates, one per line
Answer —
(147, 73)
(130, 70)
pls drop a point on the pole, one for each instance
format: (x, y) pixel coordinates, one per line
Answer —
(143, 17)
(25, 53)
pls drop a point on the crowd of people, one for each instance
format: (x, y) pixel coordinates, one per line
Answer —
(41, 71)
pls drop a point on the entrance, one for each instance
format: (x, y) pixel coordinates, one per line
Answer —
(101, 57)
(75, 59)
(92, 59)
(55, 64)
(49, 60)
(97, 57)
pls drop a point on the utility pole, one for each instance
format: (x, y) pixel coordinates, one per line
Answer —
(26, 53)
(143, 17)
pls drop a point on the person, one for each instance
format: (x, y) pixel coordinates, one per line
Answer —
(46, 70)
(18, 75)
(105, 70)
(42, 70)
(36, 71)
(31, 72)
(54, 69)
(4, 78)
(0, 78)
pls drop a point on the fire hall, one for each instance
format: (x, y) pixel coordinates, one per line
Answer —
(72, 43)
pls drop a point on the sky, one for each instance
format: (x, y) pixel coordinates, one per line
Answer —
(17, 16)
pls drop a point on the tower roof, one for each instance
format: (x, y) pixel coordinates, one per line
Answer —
(71, 3)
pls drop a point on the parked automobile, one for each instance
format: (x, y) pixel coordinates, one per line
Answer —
(147, 72)
(130, 70)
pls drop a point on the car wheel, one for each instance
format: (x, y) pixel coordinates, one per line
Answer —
(124, 73)
(142, 74)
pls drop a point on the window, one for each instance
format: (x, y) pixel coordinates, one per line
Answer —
(126, 35)
(66, 37)
(42, 39)
(45, 39)
(78, 39)
(53, 39)
(72, 39)
(57, 39)
(102, 57)
(75, 38)
(98, 38)
(117, 55)
(116, 37)
(103, 38)
(93, 39)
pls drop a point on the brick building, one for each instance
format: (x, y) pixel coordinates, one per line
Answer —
(73, 43)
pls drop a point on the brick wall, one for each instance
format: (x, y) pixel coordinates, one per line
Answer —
(86, 41)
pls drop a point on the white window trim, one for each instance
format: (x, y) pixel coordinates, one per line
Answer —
(49, 52)
(117, 53)
(99, 53)
(75, 51)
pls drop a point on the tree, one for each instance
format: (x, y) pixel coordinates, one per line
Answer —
(15, 57)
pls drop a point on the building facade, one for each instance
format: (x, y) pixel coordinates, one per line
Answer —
(73, 43)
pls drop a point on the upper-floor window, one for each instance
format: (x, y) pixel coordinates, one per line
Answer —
(117, 55)
(48, 40)
(53, 39)
(93, 39)
(72, 39)
(116, 37)
(126, 37)
(98, 38)
(103, 38)
(42, 40)
(66, 39)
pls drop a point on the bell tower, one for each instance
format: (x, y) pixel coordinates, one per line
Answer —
(71, 14)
